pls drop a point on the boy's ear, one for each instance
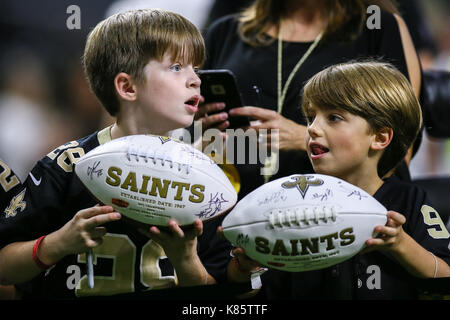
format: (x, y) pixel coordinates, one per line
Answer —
(125, 86)
(382, 139)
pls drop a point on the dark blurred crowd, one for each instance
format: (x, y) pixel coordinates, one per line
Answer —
(45, 100)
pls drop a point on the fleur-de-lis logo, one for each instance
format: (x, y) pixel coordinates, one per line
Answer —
(302, 183)
(164, 139)
(16, 204)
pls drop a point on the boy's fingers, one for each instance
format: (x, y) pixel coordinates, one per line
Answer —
(196, 231)
(94, 242)
(93, 211)
(154, 231)
(389, 231)
(98, 232)
(397, 217)
(372, 242)
(238, 251)
(175, 228)
(100, 219)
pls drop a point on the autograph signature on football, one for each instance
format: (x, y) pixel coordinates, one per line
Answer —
(213, 206)
(93, 170)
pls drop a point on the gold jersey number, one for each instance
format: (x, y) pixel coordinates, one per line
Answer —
(69, 157)
(122, 251)
(6, 181)
(432, 218)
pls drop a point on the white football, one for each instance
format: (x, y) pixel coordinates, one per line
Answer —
(303, 222)
(151, 179)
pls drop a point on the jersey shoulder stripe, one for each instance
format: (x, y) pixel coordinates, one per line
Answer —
(9, 184)
(65, 156)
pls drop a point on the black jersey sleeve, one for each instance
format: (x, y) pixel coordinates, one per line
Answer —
(423, 222)
(428, 229)
(9, 185)
(39, 207)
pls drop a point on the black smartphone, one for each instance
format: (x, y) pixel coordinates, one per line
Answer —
(220, 86)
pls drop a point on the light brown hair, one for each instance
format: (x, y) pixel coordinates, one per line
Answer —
(375, 91)
(126, 42)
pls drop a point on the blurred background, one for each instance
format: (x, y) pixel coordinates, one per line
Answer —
(45, 100)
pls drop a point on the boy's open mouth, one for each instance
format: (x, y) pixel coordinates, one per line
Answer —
(317, 149)
(192, 104)
(193, 101)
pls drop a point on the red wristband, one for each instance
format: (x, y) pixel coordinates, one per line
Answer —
(36, 259)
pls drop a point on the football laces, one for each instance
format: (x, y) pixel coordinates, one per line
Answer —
(135, 153)
(305, 216)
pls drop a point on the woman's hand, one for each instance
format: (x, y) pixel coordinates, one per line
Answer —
(291, 135)
(215, 121)
(218, 120)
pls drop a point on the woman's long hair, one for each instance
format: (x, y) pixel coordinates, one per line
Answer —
(345, 18)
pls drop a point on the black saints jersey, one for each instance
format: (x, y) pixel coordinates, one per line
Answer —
(126, 261)
(373, 275)
(9, 185)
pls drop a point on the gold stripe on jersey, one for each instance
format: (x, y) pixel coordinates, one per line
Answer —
(104, 135)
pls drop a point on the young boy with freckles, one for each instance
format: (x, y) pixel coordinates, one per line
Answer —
(142, 65)
(361, 119)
